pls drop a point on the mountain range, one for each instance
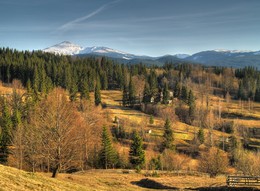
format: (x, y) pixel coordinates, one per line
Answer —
(220, 57)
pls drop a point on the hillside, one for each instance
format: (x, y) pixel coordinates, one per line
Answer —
(12, 179)
(184, 133)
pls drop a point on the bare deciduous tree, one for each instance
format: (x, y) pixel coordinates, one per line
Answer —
(58, 123)
(213, 162)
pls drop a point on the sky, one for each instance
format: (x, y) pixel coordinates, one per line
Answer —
(143, 27)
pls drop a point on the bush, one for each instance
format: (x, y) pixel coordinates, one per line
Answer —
(248, 162)
(213, 162)
(173, 161)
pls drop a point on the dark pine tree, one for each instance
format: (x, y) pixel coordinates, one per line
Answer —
(153, 83)
(107, 156)
(201, 136)
(6, 129)
(184, 94)
(29, 86)
(136, 153)
(177, 90)
(192, 106)
(147, 93)
(73, 90)
(97, 92)
(166, 94)
(125, 98)
(131, 93)
(257, 95)
(84, 90)
(168, 136)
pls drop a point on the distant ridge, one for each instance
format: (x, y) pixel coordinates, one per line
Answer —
(218, 57)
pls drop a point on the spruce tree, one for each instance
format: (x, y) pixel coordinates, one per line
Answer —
(136, 153)
(73, 91)
(97, 92)
(153, 83)
(42, 77)
(166, 94)
(125, 96)
(151, 120)
(104, 82)
(36, 80)
(131, 93)
(241, 91)
(28, 86)
(201, 136)
(177, 90)
(257, 95)
(5, 139)
(84, 90)
(168, 136)
(184, 94)
(16, 119)
(146, 93)
(192, 106)
(107, 155)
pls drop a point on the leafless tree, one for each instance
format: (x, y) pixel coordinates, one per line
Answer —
(214, 161)
(58, 123)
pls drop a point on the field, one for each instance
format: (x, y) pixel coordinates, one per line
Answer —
(12, 179)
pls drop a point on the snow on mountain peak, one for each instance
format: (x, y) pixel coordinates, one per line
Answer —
(64, 48)
(232, 51)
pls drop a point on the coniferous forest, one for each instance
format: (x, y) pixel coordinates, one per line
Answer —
(55, 119)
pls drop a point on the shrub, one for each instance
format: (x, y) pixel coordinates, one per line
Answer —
(248, 162)
(213, 162)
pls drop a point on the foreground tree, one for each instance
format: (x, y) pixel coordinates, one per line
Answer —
(136, 153)
(107, 156)
(5, 133)
(213, 162)
(57, 123)
(167, 136)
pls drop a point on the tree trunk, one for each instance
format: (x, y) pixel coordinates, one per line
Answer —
(55, 172)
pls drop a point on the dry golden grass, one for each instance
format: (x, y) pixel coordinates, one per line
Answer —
(105, 180)
(117, 180)
(136, 119)
(6, 90)
(12, 179)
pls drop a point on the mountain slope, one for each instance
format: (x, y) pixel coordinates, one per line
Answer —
(231, 58)
(109, 52)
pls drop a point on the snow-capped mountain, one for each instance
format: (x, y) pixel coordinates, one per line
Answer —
(182, 56)
(232, 51)
(218, 57)
(68, 48)
(109, 52)
(64, 48)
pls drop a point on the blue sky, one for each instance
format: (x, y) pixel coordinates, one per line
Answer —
(144, 27)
